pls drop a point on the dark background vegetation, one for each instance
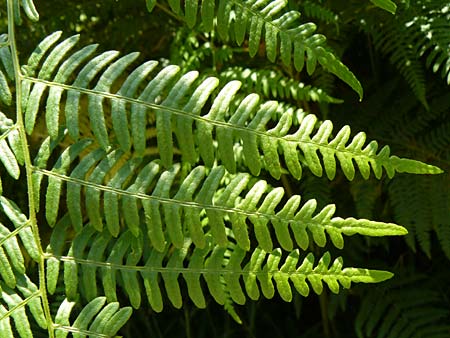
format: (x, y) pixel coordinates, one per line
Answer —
(393, 111)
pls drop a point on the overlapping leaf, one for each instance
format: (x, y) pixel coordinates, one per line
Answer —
(180, 105)
(13, 303)
(28, 7)
(115, 191)
(9, 147)
(95, 318)
(274, 85)
(222, 269)
(266, 23)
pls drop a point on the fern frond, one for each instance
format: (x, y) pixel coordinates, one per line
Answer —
(12, 304)
(9, 147)
(274, 85)
(109, 174)
(420, 31)
(11, 258)
(96, 319)
(365, 194)
(22, 225)
(422, 218)
(28, 7)
(221, 268)
(317, 11)
(395, 41)
(191, 52)
(179, 102)
(431, 31)
(316, 188)
(403, 311)
(5, 58)
(267, 22)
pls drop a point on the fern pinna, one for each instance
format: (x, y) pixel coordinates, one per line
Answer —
(126, 218)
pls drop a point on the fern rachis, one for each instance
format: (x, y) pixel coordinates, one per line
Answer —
(126, 221)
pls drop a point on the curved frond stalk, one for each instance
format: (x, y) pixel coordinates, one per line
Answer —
(179, 100)
(273, 85)
(169, 215)
(266, 23)
(221, 275)
(95, 318)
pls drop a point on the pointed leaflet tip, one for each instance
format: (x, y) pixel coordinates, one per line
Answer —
(405, 165)
(387, 5)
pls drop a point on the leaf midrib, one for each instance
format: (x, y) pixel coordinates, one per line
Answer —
(195, 117)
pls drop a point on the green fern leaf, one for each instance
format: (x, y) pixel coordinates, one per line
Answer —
(150, 4)
(16, 305)
(55, 248)
(5, 56)
(163, 211)
(422, 220)
(12, 259)
(402, 311)
(8, 158)
(21, 223)
(273, 85)
(54, 185)
(387, 5)
(128, 89)
(220, 267)
(319, 11)
(64, 72)
(10, 146)
(28, 7)
(268, 22)
(5, 323)
(247, 121)
(19, 315)
(95, 318)
(5, 92)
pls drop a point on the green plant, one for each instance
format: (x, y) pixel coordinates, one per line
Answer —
(137, 174)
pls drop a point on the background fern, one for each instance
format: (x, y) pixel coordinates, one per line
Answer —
(143, 187)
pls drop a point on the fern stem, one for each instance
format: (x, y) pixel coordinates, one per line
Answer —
(28, 166)
(187, 321)
(287, 186)
(323, 301)
(169, 12)
(193, 116)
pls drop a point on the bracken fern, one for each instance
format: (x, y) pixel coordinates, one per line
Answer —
(129, 217)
